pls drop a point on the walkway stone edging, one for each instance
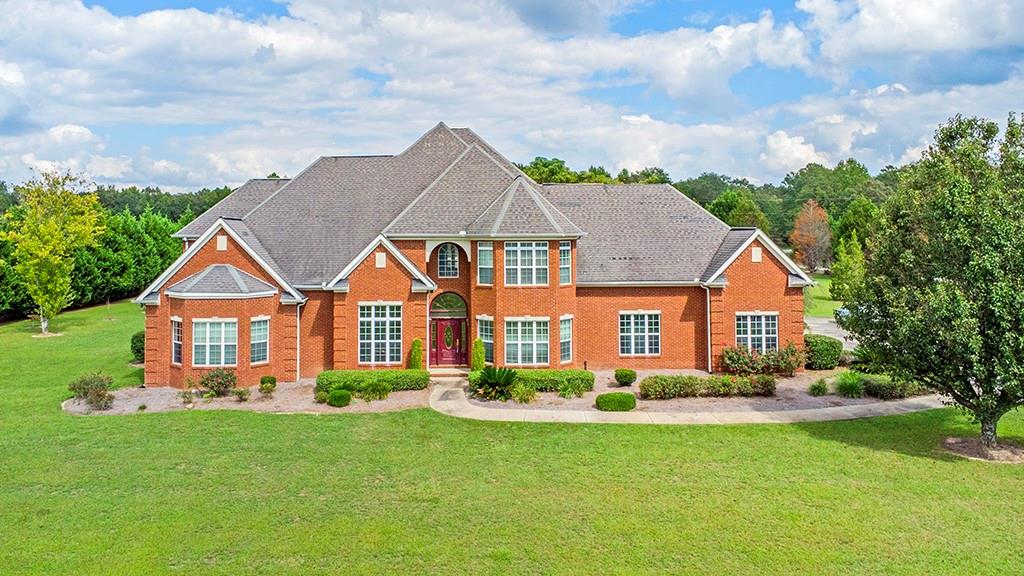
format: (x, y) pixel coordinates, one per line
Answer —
(449, 398)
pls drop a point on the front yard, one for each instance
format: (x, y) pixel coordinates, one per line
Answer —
(229, 492)
(817, 300)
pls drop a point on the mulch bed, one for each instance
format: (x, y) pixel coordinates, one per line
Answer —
(1005, 453)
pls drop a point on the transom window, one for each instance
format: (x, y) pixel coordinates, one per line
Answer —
(485, 331)
(485, 263)
(448, 305)
(565, 339)
(758, 332)
(380, 333)
(565, 262)
(526, 263)
(639, 333)
(176, 341)
(259, 340)
(448, 261)
(526, 341)
(214, 342)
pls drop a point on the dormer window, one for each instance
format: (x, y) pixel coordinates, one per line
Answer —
(448, 261)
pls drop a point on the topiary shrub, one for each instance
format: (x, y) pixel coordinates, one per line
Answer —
(81, 386)
(522, 393)
(818, 388)
(850, 385)
(478, 360)
(338, 398)
(625, 376)
(139, 346)
(268, 384)
(823, 352)
(615, 402)
(219, 381)
(416, 355)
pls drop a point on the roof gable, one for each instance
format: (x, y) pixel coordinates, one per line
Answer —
(797, 276)
(521, 210)
(235, 205)
(221, 281)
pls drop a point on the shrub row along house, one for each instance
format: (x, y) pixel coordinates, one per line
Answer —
(346, 264)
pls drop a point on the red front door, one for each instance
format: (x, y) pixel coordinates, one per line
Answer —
(448, 337)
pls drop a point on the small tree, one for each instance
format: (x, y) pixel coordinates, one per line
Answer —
(812, 236)
(942, 302)
(416, 355)
(57, 218)
(848, 270)
(478, 360)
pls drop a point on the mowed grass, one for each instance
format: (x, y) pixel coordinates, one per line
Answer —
(817, 300)
(420, 493)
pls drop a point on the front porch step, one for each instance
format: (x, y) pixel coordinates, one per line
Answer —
(448, 372)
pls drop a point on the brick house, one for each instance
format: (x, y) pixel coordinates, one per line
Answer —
(346, 264)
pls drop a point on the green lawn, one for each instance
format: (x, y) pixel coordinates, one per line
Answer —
(420, 493)
(817, 301)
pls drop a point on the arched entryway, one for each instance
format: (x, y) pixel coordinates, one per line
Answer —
(449, 332)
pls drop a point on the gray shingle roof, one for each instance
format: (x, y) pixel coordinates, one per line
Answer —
(521, 209)
(235, 205)
(220, 279)
(638, 232)
(730, 244)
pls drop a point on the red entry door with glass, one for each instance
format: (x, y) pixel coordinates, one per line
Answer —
(449, 339)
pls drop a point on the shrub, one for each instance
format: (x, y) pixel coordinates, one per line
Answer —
(615, 402)
(823, 352)
(867, 360)
(552, 380)
(187, 397)
(787, 360)
(99, 399)
(141, 408)
(375, 389)
(478, 360)
(573, 388)
(268, 384)
(82, 385)
(742, 361)
(356, 380)
(625, 376)
(219, 381)
(850, 385)
(720, 386)
(416, 355)
(240, 394)
(339, 398)
(320, 396)
(493, 383)
(818, 388)
(666, 387)
(763, 384)
(660, 387)
(523, 393)
(139, 346)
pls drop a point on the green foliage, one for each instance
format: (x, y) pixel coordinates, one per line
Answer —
(338, 398)
(615, 402)
(478, 359)
(139, 346)
(357, 380)
(860, 219)
(268, 384)
(868, 360)
(850, 384)
(663, 387)
(522, 393)
(321, 396)
(625, 376)
(848, 270)
(818, 388)
(942, 302)
(375, 389)
(823, 352)
(219, 381)
(736, 207)
(416, 355)
(493, 383)
(552, 380)
(82, 385)
(241, 394)
(99, 399)
(556, 171)
(175, 207)
(187, 396)
(574, 388)
(743, 361)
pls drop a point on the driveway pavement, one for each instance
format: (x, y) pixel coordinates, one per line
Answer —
(828, 327)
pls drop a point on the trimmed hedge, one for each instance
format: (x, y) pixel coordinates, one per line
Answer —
(339, 398)
(823, 352)
(625, 376)
(615, 402)
(416, 355)
(548, 379)
(356, 380)
(661, 387)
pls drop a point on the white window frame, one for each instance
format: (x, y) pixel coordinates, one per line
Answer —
(484, 337)
(640, 333)
(448, 265)
(373, 320)
(252, 342)
(223, 344)
(517, 250)
(482, 247)
(565, 249)
(534, 345)
(179, 343)
(565, 337)
(747, 338)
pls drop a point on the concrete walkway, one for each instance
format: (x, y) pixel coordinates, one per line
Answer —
(449, 397)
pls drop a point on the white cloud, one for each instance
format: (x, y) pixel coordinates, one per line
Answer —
(785, 153)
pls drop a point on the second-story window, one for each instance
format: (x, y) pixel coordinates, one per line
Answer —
(485, 263)
(565, 262)
(526, 263)
(448, 261)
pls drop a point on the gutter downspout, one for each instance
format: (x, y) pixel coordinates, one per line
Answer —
(298, 341)
(707, 323)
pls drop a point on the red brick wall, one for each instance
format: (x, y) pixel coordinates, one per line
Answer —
(317, 345)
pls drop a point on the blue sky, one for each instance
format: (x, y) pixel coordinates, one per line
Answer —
(185, 94)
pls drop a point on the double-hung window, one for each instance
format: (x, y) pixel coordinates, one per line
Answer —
(176, 341)
(380, 333)
(639, 333)
(565, 339)
(526, 342)
(448, 261)
(259, 340)
(565, 262)
(485, 331)
(485, 263)
(758, 331)
(526, 263)
(214, 342)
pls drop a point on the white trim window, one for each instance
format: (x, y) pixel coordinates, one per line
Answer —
(565, 339)
(380, 333)
(176, 346)
(485, 331)
(215, 342)
(639, 333)
(757, 331)
(565, 262)
(485, 263)
(448, 261)
(526, 263)
(526, 342)
(259, 341)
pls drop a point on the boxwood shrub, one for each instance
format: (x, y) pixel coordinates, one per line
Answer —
(356, 380)
(139, 346)
(823, 352)
(625, 376)
(339, 398)
(662, 387)
(615, 402)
